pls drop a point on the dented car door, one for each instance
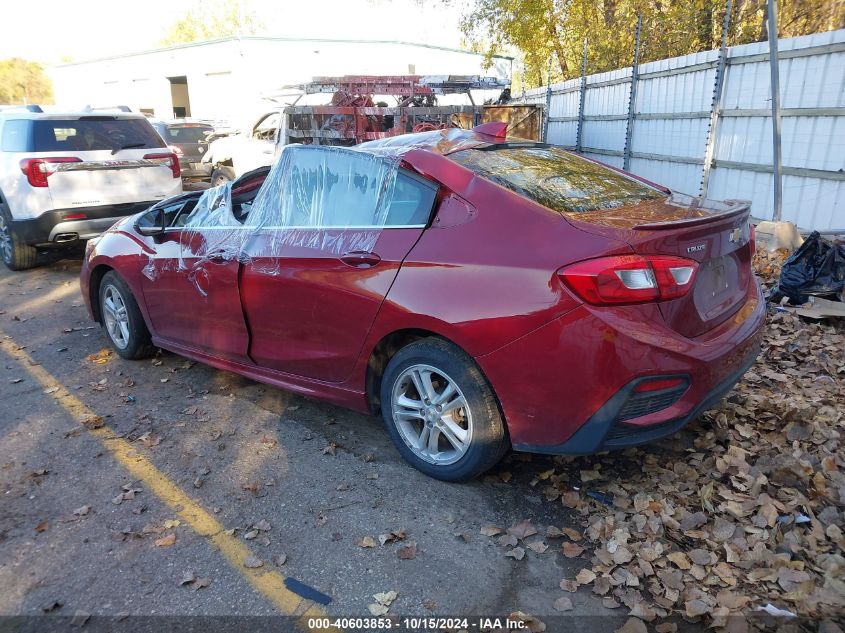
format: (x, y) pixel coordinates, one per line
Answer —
(190, 283)
(315, 276)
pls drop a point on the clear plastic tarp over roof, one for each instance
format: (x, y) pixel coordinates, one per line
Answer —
(335, 199)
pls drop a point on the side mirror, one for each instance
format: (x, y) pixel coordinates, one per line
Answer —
(151, 224)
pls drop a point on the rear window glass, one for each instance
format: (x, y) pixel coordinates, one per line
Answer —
(555, 178)
(192, 134)
(93, 133)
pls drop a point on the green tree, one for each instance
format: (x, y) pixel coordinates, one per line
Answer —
(543, 30)
(212, 20)
(23, 82)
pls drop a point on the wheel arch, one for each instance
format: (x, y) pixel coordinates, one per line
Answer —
(95, 280)
(388, 346)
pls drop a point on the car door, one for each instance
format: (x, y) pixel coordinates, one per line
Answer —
(259, 148)
(190, 282)
(316, 273)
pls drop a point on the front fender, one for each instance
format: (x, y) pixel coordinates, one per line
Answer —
(122, 252)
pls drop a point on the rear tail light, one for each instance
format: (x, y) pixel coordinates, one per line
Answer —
(630, 278)
(169, 159)
(37, 170)
(752, 237)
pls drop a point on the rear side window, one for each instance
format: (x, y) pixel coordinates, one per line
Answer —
(17, 136)
(93, 133)
(557, 179)
(411, 202)
(187, 134)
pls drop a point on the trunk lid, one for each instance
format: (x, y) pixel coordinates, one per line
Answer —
(103, 178)
(714, 234)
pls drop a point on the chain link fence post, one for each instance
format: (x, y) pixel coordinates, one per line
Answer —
(632, 97)
(583, 93)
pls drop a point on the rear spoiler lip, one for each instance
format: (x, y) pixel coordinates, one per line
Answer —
(737, 207)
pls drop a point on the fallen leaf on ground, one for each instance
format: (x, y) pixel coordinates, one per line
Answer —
(517, 553)
(165, 541)
(633, 625)
(522, 530)
(392, 536)
(378, 609)
(409, 552)
(569, 585)
(529, 622)
(563, 604)
(585, 577)
(253, 562)
(571, 550)
(366, 541)
(507, 540)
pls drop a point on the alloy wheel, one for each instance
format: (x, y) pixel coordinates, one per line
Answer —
(5, 239)
(116, 317)
(432, 414)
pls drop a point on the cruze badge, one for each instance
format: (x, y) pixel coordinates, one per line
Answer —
(696, 248)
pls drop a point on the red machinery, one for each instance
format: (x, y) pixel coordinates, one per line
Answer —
(354, 116)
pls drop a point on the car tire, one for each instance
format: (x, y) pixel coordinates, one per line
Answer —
(221, 175)
(122, 319)
(16, 255)
(477, 425)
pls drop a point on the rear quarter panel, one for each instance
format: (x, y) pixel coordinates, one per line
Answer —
(487, 278)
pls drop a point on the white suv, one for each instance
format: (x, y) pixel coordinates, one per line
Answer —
(69, 176)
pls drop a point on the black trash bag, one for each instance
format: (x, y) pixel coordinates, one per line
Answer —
(816, 268)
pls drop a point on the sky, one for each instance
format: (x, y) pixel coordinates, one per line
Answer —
(85, 29)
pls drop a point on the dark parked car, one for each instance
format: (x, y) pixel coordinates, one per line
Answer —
(482, 292)
(189, 141)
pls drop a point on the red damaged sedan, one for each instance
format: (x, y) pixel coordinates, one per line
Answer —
(482, 292)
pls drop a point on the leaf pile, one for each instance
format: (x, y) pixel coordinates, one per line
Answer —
(743, 510)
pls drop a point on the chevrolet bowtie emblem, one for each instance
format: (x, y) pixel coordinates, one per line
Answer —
(735, 235)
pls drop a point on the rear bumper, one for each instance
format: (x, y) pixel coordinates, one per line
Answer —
(605, 432)
(194, 170)
(54, 227)
(566, 387)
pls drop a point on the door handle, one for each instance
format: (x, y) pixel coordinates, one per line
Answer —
(360, 259)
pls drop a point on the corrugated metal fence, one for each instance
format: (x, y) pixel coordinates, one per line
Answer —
(672, 120)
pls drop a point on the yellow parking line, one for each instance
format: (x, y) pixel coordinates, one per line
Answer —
(269, 582)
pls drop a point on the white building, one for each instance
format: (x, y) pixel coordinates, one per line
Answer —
(225, 79)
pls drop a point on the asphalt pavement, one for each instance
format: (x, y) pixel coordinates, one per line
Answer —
(164, 487)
